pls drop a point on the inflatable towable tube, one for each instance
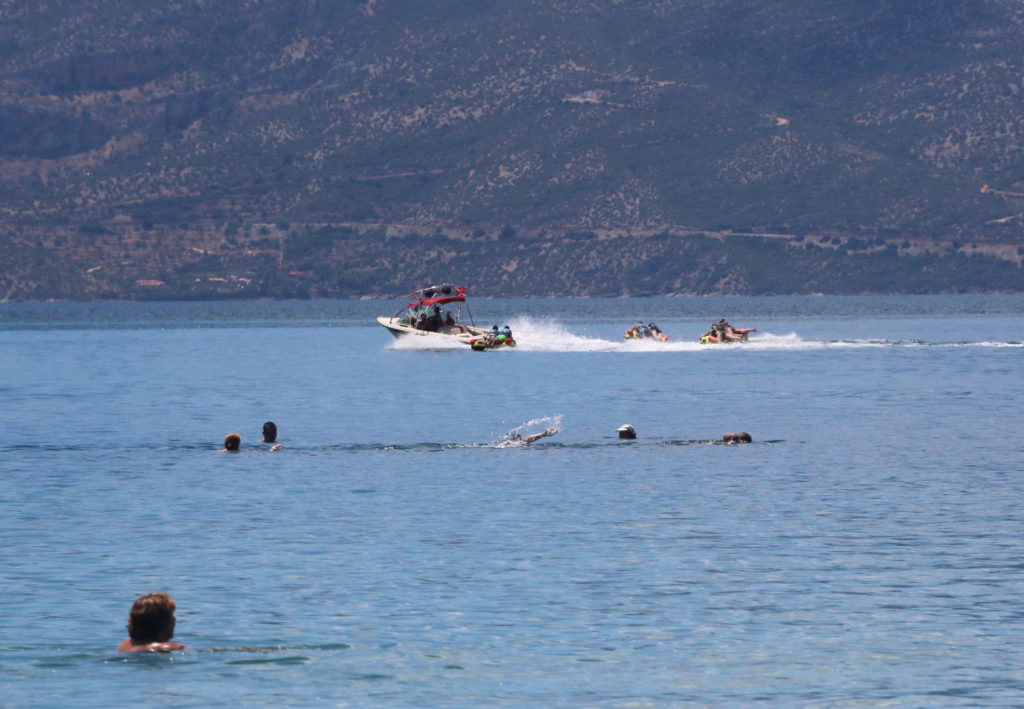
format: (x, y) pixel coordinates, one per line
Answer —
(480, 344)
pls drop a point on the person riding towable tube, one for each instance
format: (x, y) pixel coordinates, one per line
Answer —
(655, 332)
(734, 333)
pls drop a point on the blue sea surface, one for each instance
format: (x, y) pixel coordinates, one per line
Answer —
(867, 549)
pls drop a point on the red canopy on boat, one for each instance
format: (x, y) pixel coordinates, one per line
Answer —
(438, 295)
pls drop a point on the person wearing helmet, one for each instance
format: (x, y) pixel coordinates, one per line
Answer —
(491, 338)
(504, 337)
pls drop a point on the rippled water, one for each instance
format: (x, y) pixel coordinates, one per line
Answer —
(866, 549)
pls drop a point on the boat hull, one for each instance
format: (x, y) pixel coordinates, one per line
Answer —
(458, 333)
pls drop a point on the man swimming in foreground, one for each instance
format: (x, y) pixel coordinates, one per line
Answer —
(151, 625)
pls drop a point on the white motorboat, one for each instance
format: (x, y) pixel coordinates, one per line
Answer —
(423, 313)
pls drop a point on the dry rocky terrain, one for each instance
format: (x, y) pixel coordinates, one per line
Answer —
(289, 149)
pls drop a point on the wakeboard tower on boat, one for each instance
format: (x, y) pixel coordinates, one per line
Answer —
(423, 313)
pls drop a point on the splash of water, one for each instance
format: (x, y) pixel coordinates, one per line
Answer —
(515, 436)
(551, 336)
(412, 342)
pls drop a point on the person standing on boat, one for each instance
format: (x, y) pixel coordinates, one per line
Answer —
(435, 320)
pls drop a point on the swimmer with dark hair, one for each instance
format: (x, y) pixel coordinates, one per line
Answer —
(270, 435)
(269, 432)
(151, 625)
(737, 438)
(232, 442)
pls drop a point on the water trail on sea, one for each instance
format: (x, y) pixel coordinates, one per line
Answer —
(538, 335)
(516, 436)
(411, 342)
(534, 335)
(545, 335)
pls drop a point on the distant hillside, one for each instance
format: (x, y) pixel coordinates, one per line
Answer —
(323, 148)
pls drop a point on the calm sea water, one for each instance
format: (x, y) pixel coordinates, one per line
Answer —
(866, 550)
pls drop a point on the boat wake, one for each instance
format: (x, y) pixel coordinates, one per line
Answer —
(434, 344)
(551, 336)
(543, 335)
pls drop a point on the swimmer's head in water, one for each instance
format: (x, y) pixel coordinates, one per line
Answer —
(626, 431)
(232, 441)
(269, 432)
(152, 619)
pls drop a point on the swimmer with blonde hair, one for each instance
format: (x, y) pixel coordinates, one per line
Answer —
(151, 625)
(232, 442)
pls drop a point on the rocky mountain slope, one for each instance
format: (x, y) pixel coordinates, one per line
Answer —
(188, 148)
